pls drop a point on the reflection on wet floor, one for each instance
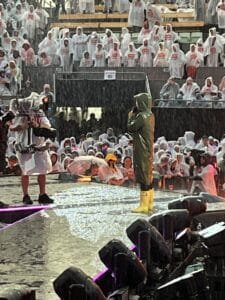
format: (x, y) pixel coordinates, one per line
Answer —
(82, 220)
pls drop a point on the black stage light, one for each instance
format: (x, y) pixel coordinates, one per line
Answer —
(17, 294)
(208, 218)
(159, 251)
(123, 263)
(194, 204)
(74, 284)
(190, 286)
(170, 221)
(181, 288)
(213, 235)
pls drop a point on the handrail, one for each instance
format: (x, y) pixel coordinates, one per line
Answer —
(181, 103)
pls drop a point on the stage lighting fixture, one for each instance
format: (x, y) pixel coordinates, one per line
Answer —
(190, 286)
(194, 204)
(170, 221)
(158, 250)
(181, 288)
(208, 218)
(17, 294)
(123, 263)
(74, 284)
(213, 235)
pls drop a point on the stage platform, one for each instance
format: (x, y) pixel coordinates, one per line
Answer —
(84, 217)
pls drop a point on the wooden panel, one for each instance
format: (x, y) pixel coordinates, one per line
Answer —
(113, 24)
(178, 15)
(83, 17)
(75, 25)
(190, 24)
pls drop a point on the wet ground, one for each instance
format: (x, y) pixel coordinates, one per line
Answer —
(84, 217)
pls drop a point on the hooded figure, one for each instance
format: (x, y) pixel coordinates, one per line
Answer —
(130, 57)
(99, 56)
(30, 22)
(79, 44)
(141, 124)
(209, 91)
(211, 12)
(115, 56)
(152, 14)
(177, 60)
(194, 59)
(189, 139)
(161, 58)
(169, 37)
(92, 43)
(136, 13)
(146, 53)
(125, 40)
(221, 14)
(190, 90)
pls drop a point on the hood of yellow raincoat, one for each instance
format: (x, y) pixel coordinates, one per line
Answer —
(143, 102)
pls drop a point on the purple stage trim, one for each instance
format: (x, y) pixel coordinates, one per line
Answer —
(19, 208)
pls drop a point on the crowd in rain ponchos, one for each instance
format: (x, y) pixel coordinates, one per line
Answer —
(209, 95)
(174, 161)
(24, 40)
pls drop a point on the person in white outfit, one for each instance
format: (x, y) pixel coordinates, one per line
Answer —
(99, 56)
(221, 15)
(131, 56)
(79, 41)
(169, 37)
(161, 57)
(115, 56)
(136, 15)
(30, 22)
(36, 162)
(146, 54)
(193, 61)
(190, 90)
(177, 61)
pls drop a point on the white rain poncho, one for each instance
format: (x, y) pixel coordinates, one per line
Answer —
(221, 14)
(43, 17)
(108, 40)
(189, 139)
(209, 91)
(208, 180)
(38, 162)
(155, 37)
(220, 154)
(49, 45)
(79, 41)
(211, 11)
(125, 40)
(30, 22)
(161, 57)
(190, 90)
(177, 60)
(131, 56)
(169, 37)
(152, 14)
(212, 49)
(92, 43)
(115, 56)
(65, 53)
(86, 60)
(136, 13)
(144, 33)
(99, 56)
(87, 5)
(146, 55)
(193, 57)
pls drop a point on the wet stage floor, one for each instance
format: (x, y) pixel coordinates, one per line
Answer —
(83, 219)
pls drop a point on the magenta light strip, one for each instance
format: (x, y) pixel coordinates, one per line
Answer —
(19, 208)
(23, 219)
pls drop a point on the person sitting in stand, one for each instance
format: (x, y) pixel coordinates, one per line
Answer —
(86, 61)
(169, 91)
(209, 91)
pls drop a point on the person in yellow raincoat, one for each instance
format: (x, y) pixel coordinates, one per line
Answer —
(141, 124)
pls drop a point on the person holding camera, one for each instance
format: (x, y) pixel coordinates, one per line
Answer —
(5, 121)
(141, 124)
(30, 125)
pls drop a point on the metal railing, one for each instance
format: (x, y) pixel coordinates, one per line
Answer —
(180, 103)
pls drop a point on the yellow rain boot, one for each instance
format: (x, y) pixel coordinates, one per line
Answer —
(144, 203)
(151, 200)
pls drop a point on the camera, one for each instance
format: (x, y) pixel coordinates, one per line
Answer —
(8, 116)
(48, 133)
(25, 149)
